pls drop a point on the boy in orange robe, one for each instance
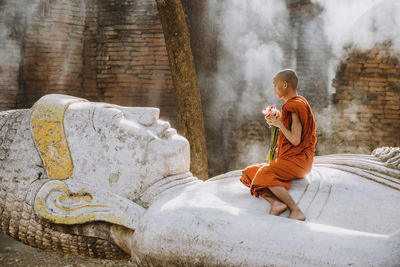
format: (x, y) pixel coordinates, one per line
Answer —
(296, 147)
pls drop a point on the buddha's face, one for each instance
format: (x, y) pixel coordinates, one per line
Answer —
(123, 149)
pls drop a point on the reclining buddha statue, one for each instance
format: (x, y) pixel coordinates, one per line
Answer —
(106, 181)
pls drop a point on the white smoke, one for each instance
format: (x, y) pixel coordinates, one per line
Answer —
(250, 36)
(256, 38)
(13, 15)
(360, 24)
(253, 34)
(249, 53)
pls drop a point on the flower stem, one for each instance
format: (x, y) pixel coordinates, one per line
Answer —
(272, 146)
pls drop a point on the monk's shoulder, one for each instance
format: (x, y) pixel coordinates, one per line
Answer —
(296, 104)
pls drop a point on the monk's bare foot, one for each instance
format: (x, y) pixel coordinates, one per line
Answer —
(277, 208)
(297, 215)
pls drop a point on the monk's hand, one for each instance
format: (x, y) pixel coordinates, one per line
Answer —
(274, 121)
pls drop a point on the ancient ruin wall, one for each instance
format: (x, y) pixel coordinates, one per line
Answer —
(132, 61)
(368, 97)
(114, 51)
(102, 50)
(12, 23)
(52, 51)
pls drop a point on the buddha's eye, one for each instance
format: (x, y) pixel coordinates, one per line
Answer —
(112, 113)
(106, 116)
(117, 117)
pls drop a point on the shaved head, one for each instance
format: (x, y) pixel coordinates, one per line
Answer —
(288, 76)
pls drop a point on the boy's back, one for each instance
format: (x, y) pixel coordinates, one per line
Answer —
(302, 154)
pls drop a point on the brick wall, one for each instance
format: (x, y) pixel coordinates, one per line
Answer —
(132, 61)
(102, 50)
(368, 95)
(114, 51)
(52, 51)
(12, 24)
(306, 45)
(89, 62)
(236, 139)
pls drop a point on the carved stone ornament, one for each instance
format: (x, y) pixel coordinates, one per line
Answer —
(106, 181)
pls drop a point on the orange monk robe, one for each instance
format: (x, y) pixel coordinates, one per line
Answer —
(292, 161)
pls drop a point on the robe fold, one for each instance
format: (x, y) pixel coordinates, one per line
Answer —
(292, 161)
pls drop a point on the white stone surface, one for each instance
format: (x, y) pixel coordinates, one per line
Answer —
(132, 170)
(125, 150)
(350, 221)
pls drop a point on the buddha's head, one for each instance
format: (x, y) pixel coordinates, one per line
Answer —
(124, 150)
(121, 149)
(74, 163)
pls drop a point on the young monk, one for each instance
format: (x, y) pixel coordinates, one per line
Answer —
(296, 147)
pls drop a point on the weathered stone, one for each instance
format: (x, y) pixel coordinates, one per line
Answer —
(130, 170)
(14, 185)
(377, 93)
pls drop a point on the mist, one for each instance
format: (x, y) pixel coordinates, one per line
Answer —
(358, 24)
(249, 37)
(14, 15)
(251, 54)
(257, 38)
(44, 31)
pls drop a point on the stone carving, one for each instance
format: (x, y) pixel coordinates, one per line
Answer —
(390, 156)
(106, 181)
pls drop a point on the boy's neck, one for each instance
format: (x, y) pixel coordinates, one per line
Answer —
(290, 95)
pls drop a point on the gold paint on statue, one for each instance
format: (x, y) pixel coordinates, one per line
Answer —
(47, 122)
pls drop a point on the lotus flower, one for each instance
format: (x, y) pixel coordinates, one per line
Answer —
(272, 111)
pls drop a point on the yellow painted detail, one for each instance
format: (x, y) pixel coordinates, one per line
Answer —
(73, 217)
(76, 198)
(48, 133)
(70, 199)
(73, 200)
(49, 136)
(82, 207)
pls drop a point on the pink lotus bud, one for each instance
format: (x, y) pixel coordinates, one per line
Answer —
(271, 110)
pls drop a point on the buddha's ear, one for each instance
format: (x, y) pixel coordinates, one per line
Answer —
(65, 202)
(47, 124)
